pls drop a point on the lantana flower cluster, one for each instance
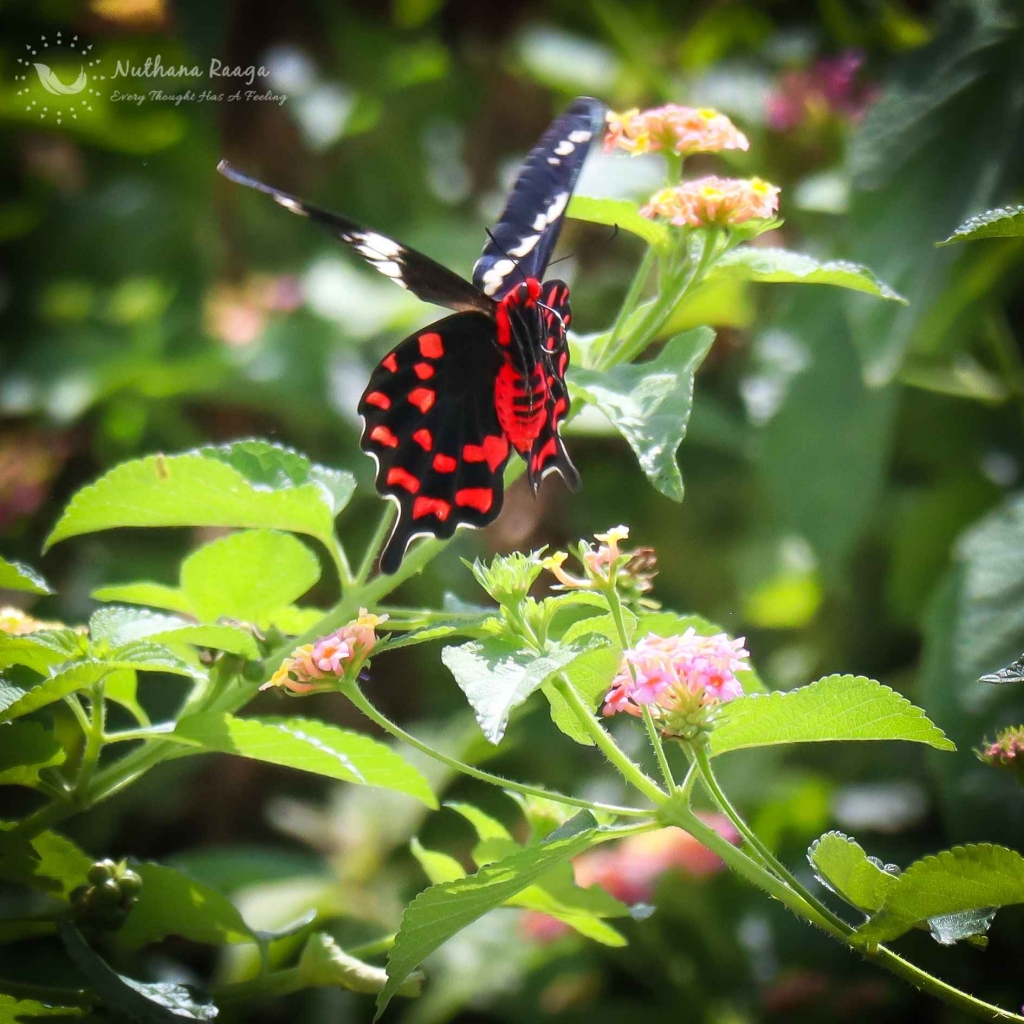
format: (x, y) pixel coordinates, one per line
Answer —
(829, 90)
(634, 570)
(1006, 751)
(317, 666)
(681, 679)
(16, 622)
(711, 201)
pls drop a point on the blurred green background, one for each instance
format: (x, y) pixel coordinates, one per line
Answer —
(850, 466)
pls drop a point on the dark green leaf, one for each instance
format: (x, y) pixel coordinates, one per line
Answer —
(649, 404)
(25, 749)
(24, 1011)
(841, 864)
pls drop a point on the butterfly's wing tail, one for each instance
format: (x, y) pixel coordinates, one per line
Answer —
(408, 268)
(431, 426)
(521, 244)
(547, 453)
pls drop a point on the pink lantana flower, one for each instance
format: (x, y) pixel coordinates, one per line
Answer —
(1006, 751)
(725, 202)
(318, 666)
(829, 90)
(634, 570)
(682, 130)
(680, 678)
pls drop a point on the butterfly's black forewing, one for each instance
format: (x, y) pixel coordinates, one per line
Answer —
(408, 268)
(525, 237)
(431, 426)
(547, 453)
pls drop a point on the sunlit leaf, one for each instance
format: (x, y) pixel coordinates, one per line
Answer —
(649, 404)
(49, 862)
(309, 746)
(749, 263)
(621, 213)
(15, 1011)
(157, 595)
(966, 878)
(1004, 222)
(172, 903)
(834, 708)
(18, 576)
(324, 963)
(497, 675)
(437, 866)
(42, 650)
(247, 484)
(841, 863)
(119, 625)
(448, 907)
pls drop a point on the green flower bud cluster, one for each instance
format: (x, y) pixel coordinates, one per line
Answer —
(111, 893)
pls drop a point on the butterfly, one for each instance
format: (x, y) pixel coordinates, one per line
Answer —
(445, 408)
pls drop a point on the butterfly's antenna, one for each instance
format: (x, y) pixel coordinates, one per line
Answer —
(569, 256)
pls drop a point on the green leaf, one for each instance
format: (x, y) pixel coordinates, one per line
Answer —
(324, 963)
(591, 674)
(246, 484)
(25, 749)
(156, 595)
(649, 404)
(486, 827)
(119, 625)
(496, 675)
(1004, 222)
(43, 650)
(248, 576)
(158, 1003)
(18, 576)
(171, 903)
(309, 746)
(146, 656)
(558, 896)
(49, 862)
(437, 866)
(841, 864)
(24, 1011)
(966, 878)
(834, 708)
(749, 263)
(622, 213)
(444, 909)
(968, 926)
(15, 701)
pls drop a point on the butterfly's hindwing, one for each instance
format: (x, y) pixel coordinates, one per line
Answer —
(431, 426)
(408, 268)
(547, 453)
(525, 237)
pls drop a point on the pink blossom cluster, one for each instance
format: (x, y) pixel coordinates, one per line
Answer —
(629, 870)
(1007, 751)
(677, 673)
(313, 667)
(237, 314)
(828, 89)
(683, 130)
(714, 200)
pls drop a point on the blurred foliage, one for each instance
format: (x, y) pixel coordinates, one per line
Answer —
(850, 464)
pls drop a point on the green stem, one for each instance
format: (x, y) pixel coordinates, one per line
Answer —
(93, 742)
(373, 948)
(659, 748)
(702, 764)
(636, 288)
(149, 732)
(757, 875)
(340, 559)
(372, 552)
(629, 771)
(51, 995)
(352, 691)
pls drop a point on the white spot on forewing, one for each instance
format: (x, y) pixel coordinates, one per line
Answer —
(554, 161)
(291, 204)
(580, 136)
(495, 277)
(540, 222)
(379, 244)
(557, 207)
(390, 268)
(525, 246)
(564, 148)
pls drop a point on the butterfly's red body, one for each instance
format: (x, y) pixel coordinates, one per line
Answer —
(444, 410)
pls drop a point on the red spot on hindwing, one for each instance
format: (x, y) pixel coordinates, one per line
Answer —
(389, 362)
(549, 449)
(424, 506)
(424, 371)
(403, 478)
(384, 436)
(480, 498)
(422, 398)
(431, 345)
(379, 399)
(493, 451)
(424, 438)
(444, 463)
